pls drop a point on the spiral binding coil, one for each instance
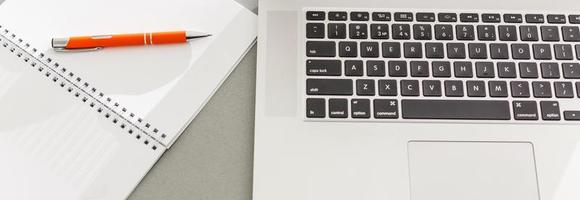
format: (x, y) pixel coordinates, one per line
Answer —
(74, 85)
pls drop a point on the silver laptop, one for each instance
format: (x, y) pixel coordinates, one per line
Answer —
(418, 100)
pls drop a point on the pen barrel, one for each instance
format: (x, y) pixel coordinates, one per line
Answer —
(126, 40)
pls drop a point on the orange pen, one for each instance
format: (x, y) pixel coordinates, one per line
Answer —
(87, 43)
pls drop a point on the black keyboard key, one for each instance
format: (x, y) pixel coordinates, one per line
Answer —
(315, 108)
(477, 51)
(425, 17)
(550, 33)
(557, 19)
(521, 51)
(443, 32)
(508, 33)
(422, 32)
(388, 88)
(491, 18)
(315, 15)
(338, 108)
(465, 32)
(369, 49)
(329, 87)
(337, 16)
(563, 51)
(353, 68)
(441, 69)
(360, 108)
(506, 69)
(315, 30)
(358, 31)
(456, 109)
(434, 50)
(382, 16)
(542, 89)
(359, 16)
(376, 68)
(454, 89)
(410, 88)
(401, 31)
(578, 89)
(550, 110)
(403, 17)
(365, 87)
(513, 18)
(498, 89)
(550, 70)
(456, 51)
(578, 51)
(571, 70)
(398, 68)
(571, 33)
(542, 51)
(528, 70)
(564, 89)
(485, 70)
(574, 19)
(572, 115)
(413, 50)
(320, 49)
(463, 69)
(347, 49)
(476, 89)
(447, 17)
(323, 68)
(525, 110)
(535, 18)
(520, 89)
(432, 88)
(336, 31)
(380, 31)
(486, 32)
(469, 17)
(529, 33)
(391, 50)
(419, 68)
(386, 108)
(499, 51)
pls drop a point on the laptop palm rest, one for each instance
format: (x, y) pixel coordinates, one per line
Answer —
(472, 170)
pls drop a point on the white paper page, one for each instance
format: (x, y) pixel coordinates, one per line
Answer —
(166, 85)
(54, 146)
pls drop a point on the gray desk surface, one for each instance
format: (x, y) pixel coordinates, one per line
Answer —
(213, 159)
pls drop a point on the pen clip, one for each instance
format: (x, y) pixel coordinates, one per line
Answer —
(77, 50)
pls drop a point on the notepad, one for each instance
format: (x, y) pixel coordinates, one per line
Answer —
(90, 125)
(166, 85)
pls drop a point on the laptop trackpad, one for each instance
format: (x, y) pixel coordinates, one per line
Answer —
(472, 170)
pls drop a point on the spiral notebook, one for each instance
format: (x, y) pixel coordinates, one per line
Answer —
(73, 127)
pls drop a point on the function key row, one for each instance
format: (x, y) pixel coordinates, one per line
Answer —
(441, 17)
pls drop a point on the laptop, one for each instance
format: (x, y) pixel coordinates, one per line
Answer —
(418, 100)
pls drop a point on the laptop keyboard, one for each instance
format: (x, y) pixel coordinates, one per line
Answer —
(393, 66)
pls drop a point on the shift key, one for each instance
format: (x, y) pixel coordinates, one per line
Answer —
(329, 87)
(323, 67)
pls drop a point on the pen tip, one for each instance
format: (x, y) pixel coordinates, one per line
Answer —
(193, 34)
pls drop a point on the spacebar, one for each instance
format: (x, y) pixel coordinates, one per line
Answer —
(456, 109)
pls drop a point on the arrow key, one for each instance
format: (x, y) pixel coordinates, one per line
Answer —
(572, 115)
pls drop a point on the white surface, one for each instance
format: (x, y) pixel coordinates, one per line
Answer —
(472, 170)
(54, 146)
(295, 159)
(165, 85)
